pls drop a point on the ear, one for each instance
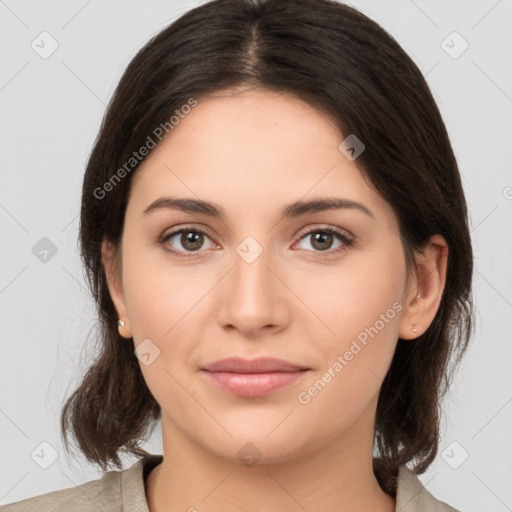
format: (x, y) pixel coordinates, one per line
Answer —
(111, 259)
(425, 288)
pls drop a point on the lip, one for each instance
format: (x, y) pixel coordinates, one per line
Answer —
(255, 377)
(259, 365)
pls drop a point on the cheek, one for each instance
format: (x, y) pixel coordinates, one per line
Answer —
(356, 361)
(357, 308)
(162, 302)
(363, 290)
(159, 294)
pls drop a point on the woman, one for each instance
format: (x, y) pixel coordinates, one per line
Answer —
(276, 235)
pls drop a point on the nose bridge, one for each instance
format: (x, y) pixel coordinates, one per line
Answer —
(252, 297)
(252, 278)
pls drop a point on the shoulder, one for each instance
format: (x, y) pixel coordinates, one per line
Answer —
(84, 497)
(112, 492)
(412, 496)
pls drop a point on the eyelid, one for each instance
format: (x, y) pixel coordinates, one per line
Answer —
(299, 234)
(325, 227)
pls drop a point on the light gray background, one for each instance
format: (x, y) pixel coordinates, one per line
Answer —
(50, 113)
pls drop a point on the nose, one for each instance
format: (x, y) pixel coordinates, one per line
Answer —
(253, 297)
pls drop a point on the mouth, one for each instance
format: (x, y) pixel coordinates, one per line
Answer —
(253, 378)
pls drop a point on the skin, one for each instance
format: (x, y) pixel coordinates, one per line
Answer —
(252, 152)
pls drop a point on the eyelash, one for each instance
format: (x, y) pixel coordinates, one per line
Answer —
(347, 242)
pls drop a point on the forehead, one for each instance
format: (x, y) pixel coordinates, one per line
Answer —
(252, 149)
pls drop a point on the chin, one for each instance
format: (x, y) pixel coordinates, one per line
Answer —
(262, 442)
(253, 451)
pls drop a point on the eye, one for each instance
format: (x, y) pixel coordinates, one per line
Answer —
(323, 239)
(190, 239)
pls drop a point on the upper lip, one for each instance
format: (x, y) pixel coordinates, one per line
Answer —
(258, 365)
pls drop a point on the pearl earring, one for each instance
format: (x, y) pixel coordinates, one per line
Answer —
(122, 323)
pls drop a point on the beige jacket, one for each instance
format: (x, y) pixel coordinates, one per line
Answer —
(123, 491)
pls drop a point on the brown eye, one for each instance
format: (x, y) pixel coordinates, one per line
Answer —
(322, 240)
(192, 241)
(184, 240)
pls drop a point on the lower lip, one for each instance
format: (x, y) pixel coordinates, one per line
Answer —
(253, 384)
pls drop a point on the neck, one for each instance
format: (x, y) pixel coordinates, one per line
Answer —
(337, 476)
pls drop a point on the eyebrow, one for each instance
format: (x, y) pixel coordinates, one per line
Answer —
(293, 210)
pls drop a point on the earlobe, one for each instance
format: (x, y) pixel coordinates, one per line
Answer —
(112, 268)
(123, 329)
(426, 289)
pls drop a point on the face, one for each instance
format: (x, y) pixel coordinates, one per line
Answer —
(322, 290)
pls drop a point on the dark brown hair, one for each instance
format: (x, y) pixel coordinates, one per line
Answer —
(346, 65)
